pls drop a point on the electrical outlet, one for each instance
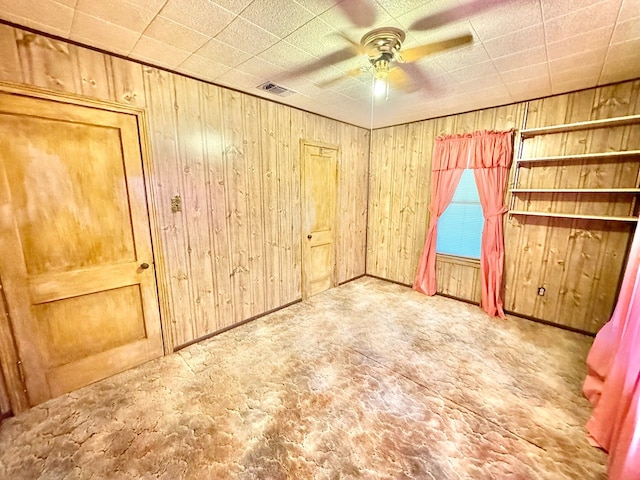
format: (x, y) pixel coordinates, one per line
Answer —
(541, 291)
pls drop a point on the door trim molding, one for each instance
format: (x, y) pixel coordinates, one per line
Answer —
(303, 234)
(9, 354)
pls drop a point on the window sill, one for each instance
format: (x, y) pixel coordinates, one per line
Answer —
(464, 261)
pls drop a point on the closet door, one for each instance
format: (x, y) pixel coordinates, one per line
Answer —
(76, 261)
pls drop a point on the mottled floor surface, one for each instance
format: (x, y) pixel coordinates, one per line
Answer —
(369, 380)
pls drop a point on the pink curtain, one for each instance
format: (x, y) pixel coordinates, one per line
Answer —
(613, 380)
(450, 158)
(491, 161)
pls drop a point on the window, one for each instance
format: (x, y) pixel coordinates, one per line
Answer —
(460, 226)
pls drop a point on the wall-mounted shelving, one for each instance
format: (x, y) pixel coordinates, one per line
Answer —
(602, 157)
(572, 127)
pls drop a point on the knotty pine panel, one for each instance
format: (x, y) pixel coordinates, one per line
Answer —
(578, 262)
(399, 197)
(234, 249)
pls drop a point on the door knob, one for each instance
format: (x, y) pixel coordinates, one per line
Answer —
(144, 266)
(309, 236)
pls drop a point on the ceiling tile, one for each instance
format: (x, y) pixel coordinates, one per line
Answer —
(478, 70)
(478, 83)
(579, 60)
(102, 34)
(595, 17)
(223, 53)
(280, 17)
(204, 68)
(44, 13)
(580, 42)
(286, 55)
(590, 40)
(317, 38)
(440, 14)
(521, 59)
(238, 79)
(557, 8)
(235, 6)
(462, 57)
(502, 17)
(247, 36)
(523, 40)
(200, 15)
(521, 74)
(317, 6)
(572, 84)
(118, 12)
(625, 31)
(397, 8)
(158, 53)
(336, 18)
(260, 68)
(530, 88)
(630, 9)
(184, 38)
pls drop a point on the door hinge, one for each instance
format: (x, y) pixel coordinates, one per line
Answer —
(21, 371)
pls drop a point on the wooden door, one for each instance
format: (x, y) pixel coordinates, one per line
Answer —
(319, 187)
(76, 261)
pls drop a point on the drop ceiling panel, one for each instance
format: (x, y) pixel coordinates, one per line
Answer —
(521, 49)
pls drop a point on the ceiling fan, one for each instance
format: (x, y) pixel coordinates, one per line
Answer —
(389, 64)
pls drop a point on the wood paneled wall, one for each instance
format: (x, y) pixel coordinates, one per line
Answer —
(234, 250)
(399, 200)
(578, 262)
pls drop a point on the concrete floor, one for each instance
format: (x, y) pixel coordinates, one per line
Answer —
(369, 380)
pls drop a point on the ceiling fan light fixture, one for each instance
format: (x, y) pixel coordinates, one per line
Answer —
(381, 78)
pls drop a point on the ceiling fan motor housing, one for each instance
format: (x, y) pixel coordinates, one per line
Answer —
(383, 44)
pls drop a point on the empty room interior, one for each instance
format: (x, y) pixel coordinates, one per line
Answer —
(277, 239)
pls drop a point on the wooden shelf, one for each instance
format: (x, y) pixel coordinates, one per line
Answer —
(577, 216)
(572, 127)
(576, 190)
(584, 156)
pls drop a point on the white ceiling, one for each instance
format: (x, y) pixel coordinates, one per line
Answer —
(522, 49)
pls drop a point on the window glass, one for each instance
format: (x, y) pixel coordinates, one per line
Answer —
(460, 226)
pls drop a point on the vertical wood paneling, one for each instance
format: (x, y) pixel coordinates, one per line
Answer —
(400, 184)
(5, 405)
(256, 224)
(218, 207)
(578, 262)
(234, 250)
(160, 92)
(10, 67)
(193, 183)
(270, 179)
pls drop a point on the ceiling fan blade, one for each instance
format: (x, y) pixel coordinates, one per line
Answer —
(408, 78)
(351, 73)
(361, 13)
(326, 61)
(357, 47)
(416, 53)
(453, 14)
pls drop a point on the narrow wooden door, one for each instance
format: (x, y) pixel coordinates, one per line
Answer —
(76, 260)
(319, 181)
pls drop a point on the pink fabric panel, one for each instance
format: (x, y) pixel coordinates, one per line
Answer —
(492, 149)
(491, 160)
(451, 152)
(491, 184)
(613, 380)
(443, 186)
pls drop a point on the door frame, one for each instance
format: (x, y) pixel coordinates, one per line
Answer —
(303, 233)
(9, 356)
